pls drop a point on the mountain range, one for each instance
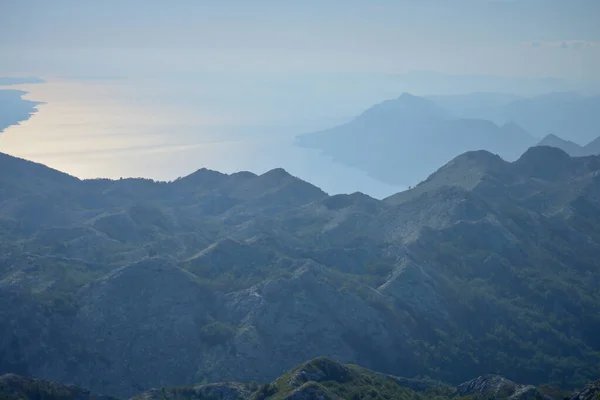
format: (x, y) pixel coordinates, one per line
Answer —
(318, 379)
(120, 286)
(565, 114)
(403, 140)
(572, 149)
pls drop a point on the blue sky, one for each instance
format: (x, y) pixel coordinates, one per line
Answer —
(535, 38)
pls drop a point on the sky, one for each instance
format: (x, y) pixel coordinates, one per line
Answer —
(532, 38)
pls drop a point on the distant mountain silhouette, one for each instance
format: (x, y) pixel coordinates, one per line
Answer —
(403, 140)
(568, 115)
(474, 105)
(573, 149)
(593, 147)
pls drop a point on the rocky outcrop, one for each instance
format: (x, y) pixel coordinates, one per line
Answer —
(318, 379)
(589, 392)
(297, 318)
(498, 387)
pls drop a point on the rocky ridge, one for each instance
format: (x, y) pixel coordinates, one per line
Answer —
(122, 286)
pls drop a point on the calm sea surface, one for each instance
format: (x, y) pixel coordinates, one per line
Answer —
(163, 130)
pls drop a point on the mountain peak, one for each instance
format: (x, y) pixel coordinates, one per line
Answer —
(464, 171)
(406, 106)
(481, 160)
(277, 173)
(542, 154)
(572, 149)
(544, 162)
(406, 95)
(204, 177)
(550, 136)
(593, 147)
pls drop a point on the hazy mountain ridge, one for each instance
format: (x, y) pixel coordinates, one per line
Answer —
(405, 139)
(568, 115)
(125, 285)
(321, 378)
(572, 149)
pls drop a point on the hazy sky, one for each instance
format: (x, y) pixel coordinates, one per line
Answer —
(540, 38)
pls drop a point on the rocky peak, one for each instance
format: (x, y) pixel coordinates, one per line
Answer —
(406, 106)
(500, 388)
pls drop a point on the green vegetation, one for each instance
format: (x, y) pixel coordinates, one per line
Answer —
(13, 387)
(486, 267)
(217, 333)
(320, 378)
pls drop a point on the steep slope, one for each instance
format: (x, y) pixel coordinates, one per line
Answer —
(127, 285)
(323, 378)
(320, 378)
(23, 177)
(405, 139)
(14, 387)
(166, 305)
(589, 392)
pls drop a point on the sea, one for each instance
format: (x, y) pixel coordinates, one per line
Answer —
(165, 128)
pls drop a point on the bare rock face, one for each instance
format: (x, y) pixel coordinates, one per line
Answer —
(499, 387)
(590, 392)
(285, 321)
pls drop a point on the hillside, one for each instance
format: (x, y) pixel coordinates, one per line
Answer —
(14, 387)
(320, 378)
(486, 267)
